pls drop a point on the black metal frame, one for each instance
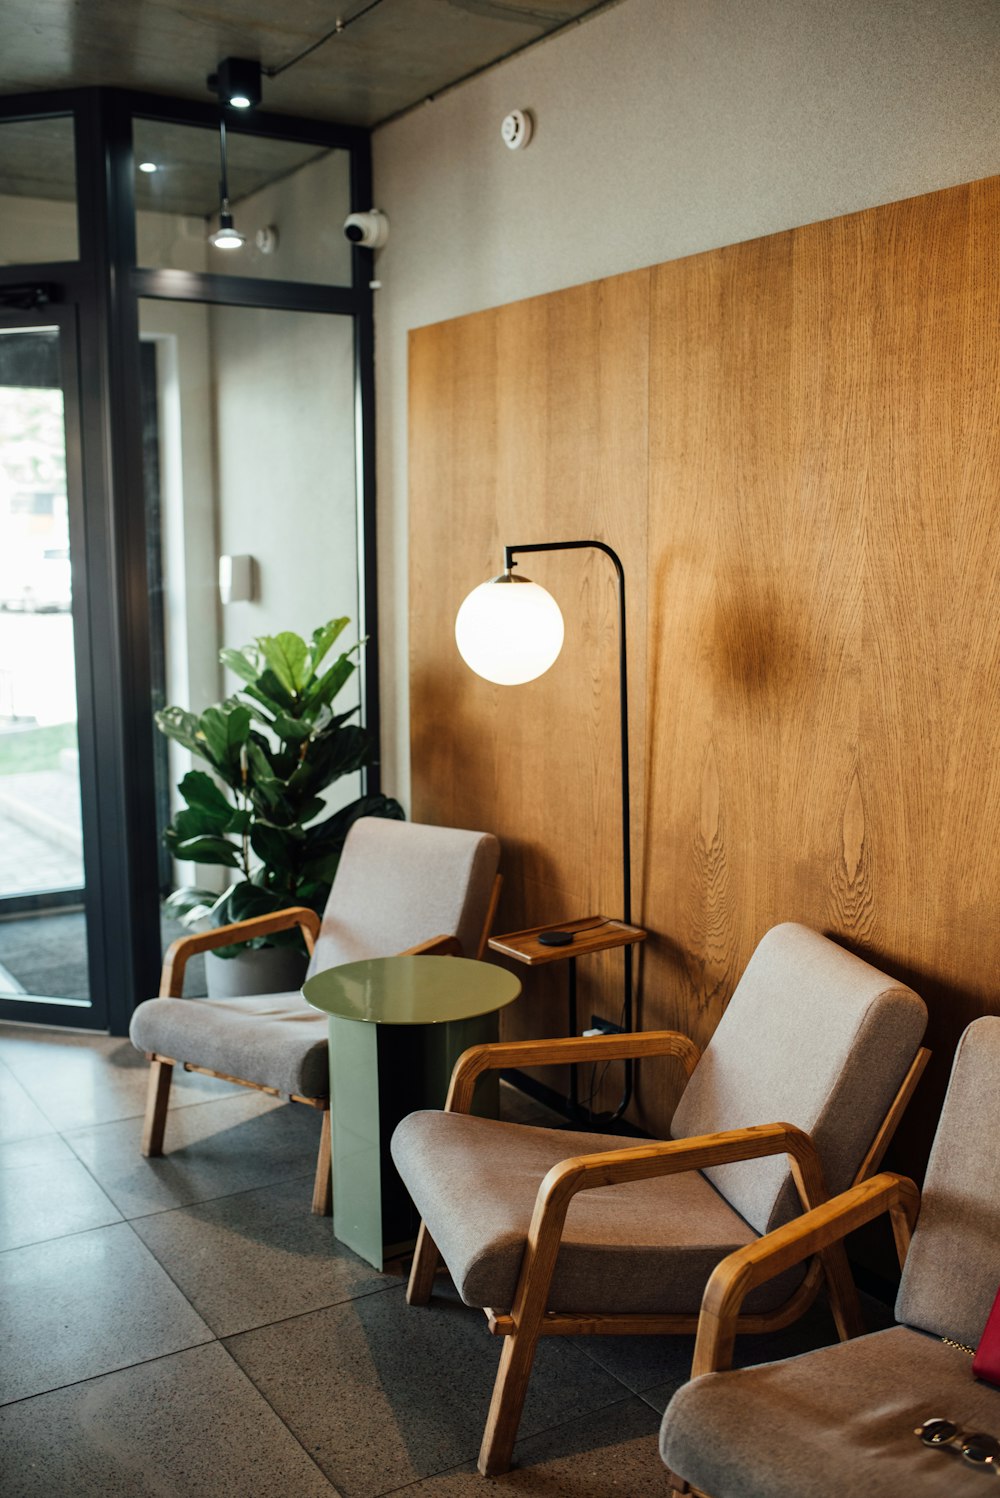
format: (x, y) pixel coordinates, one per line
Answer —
(509, 553)
(100, 291)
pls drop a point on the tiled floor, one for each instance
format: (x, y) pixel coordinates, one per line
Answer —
(186, 1327)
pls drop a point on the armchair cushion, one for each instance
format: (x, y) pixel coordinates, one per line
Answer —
(399, 883)
(648, 1246)
(953, 1268)
(812, 1036)
(831, 1422)
(275, 1040)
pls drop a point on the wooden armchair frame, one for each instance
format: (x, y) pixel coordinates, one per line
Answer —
(815, 1232)
(180, 952)
(528, 1318)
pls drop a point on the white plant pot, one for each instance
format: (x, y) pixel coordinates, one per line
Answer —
(259, 970)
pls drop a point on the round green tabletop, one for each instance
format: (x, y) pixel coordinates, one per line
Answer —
(411, 990)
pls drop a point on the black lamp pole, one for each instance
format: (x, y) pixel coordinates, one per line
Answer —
(509, 552)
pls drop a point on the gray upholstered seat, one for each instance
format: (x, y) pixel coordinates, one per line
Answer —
(813, 1037)
(841, 1420)
(398, 884)
(478, 1180)
(274, 1040)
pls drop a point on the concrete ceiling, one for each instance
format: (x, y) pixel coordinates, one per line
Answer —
(390, 55)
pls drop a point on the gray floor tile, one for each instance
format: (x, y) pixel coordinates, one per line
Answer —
(233, 1144)
(611, 1454)
(46, 1193)
(382, 1394)
(80, 1080)
(660, 1368)
(85, 1305)
(258, 1257)
(20, 1117)
(187, 1426)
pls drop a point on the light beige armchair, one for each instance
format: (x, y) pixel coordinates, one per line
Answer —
(557, 1233)
(400, 887)
(843, 1419)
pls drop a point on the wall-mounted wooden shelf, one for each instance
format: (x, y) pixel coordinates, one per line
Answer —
(592, 933)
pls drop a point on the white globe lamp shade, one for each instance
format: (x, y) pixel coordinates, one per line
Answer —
(509, 630)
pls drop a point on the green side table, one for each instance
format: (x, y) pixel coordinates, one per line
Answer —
(397, 1026)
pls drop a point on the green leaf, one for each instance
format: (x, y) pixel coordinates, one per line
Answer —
(203, 795)
(244, 663)
(270, 693)
(287, 655)
(323, 639)
(279, 847)
(203, 849)
(183, 727)
(331, 682)
(292, 730)
(226, 729)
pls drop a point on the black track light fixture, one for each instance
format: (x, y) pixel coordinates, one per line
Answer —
(237, 82)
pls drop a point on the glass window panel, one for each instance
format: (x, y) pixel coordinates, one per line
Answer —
(299, 192)
(248, 436)
(41, 851)
(37, 191)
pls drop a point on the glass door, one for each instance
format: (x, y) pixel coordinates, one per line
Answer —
(43, 928)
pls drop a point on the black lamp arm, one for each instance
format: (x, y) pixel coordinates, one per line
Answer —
(509, 553)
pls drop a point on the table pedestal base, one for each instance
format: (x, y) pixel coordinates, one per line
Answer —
(378, 1074)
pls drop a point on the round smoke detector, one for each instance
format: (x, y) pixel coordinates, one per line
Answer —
(515, 132)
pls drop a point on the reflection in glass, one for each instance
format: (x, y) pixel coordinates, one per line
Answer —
(37, 191)
(290, 200)
(248, 435)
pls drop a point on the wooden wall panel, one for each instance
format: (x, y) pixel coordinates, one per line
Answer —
(794, 445)
(525, 426)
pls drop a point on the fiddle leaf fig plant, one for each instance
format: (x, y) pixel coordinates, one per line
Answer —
(271, 749)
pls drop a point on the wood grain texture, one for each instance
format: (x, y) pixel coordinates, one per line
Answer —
(793, 443)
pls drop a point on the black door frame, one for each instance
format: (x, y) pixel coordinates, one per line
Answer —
(103, 288)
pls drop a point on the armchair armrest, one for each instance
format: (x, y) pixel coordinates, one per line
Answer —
(184, 948)
(819, 1229)
(637, 1163)
(575, 1048)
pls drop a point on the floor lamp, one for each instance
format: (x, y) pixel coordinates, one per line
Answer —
(510, 631)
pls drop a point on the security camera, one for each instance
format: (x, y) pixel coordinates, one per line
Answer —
(370, 230)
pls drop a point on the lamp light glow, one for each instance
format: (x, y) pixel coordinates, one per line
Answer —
(227, 236)
(509, 630)
(148, 166)
(239, 101)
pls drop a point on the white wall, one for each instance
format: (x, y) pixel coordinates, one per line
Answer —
(285, 487)
(663, 128)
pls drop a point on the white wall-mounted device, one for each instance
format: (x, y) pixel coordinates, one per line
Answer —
(370, 230)
(516, 130)
(237, 579)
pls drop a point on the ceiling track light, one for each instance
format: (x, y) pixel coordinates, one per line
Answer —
(236, 81)
(226, 236)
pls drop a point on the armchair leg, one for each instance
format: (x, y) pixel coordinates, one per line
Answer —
(423, 1269)
(507, 1404)
(157, 1098)
(322, 1202)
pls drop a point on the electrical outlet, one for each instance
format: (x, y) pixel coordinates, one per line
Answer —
(599, 1026)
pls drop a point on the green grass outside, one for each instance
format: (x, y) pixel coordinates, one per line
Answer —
(35, 748)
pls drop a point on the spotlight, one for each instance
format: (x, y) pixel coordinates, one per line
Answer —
(237, 82)
(227, 236)
(148, 166)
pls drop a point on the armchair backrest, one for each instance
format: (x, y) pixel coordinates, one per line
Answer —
(812, 1036)
(401, 883)
(952, 1270)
